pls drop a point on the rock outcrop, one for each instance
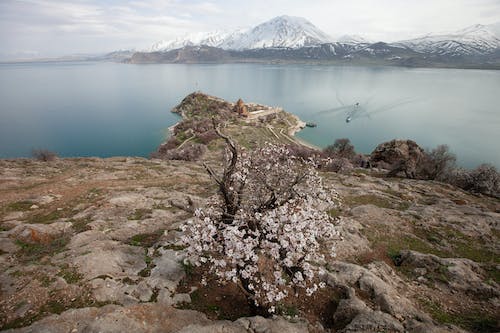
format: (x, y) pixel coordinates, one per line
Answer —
(400, 155)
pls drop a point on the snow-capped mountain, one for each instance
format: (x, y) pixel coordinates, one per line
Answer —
(213, 39)
(474, 40)
(287, 38)
(283, 31)
(353, 39)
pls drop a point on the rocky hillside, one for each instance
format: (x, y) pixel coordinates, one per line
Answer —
(92, 245)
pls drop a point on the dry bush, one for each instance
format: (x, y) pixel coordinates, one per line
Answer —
(302, 152)
(339, 165)
(484, 179)
(437, 163)
(43, 155)
(207, 137)
(340, 148)
(360, 160)
(190, 152)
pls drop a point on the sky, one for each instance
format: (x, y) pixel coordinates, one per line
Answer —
(40, 28)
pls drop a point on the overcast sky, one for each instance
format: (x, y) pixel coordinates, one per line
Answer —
(59, 27)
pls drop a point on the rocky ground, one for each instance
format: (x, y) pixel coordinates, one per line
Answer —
(91, 245)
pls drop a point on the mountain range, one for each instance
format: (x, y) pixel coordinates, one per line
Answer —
(295, 39)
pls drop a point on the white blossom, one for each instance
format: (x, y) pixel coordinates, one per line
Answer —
(277, 232)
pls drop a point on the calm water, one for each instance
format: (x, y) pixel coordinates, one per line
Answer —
(107, 109)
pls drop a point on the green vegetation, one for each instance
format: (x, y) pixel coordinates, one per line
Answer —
(146, 240)
(287, 310)
(459, 245)
(140, 214)
(174, 247)
(370, 199)
(34, 252)
(475, 320)
(149, 266)
(19, 206)
(81, 225)
(188, 267)
(70, 274)
(334, 212)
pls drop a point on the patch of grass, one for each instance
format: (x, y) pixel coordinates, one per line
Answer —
(461, 245)
(49, 217)
(146, 240)
(154, 296)
(174, 247)
(396, 243)
(70, 274)
(140, 214)
(81, 225)
(334, 212)
(492, 274)
(149, 266)
(160, 206)
(19, 305)
(53, 306)
(188, 267)
(129, 281)
(34, 252)
(475, 321)
(45, 280)
(471, 249)
(19, 206)
(287, 310)
(370, 199)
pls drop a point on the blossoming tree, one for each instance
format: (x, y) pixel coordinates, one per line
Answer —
(267, 230)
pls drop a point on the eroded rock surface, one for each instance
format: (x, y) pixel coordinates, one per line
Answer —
(101, 252)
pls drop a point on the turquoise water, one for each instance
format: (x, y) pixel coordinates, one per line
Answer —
(108, 109)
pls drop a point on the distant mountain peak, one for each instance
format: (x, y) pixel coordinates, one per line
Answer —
(476, 39)
(353, 39)
(280, 32)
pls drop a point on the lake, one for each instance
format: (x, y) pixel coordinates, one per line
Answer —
(110, 109)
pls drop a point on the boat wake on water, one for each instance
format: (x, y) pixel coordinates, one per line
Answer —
(362, 109)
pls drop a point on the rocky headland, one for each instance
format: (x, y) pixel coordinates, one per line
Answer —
(92, 245)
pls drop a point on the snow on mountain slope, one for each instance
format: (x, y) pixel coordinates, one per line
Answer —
(282, 31)
(296, 32)
(474, 40)
(213, 38)
(353, 39)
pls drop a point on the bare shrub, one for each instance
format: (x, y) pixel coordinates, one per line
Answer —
(340, 148)
(43, 155)
(207, 137)
(338, 165)
(190, 152)
(437, 163)
(360, 160)
(302, 152)
(484, 179)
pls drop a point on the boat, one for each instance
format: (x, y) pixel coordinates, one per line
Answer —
(310, 124)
